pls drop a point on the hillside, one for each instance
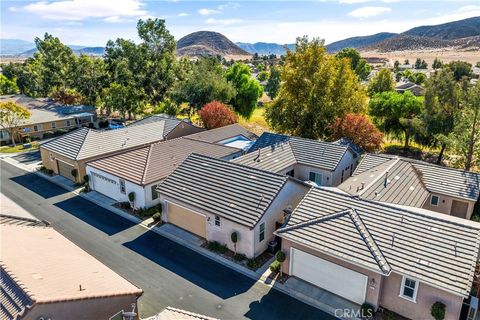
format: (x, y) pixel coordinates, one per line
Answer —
(265, 48)
(14, 46)
(448, 31)
(359, 42)
(405, 42)
(209, 43)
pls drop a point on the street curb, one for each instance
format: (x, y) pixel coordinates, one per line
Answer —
(257, 276)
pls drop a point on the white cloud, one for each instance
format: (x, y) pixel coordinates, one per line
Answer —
(183, 14)
(223, 22)
(207, 12)
(12, 9)
(365, 1)
(368, 12)
(78, 10)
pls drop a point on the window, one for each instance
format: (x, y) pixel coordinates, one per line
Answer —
(217, 221)
(35, 128)
(261, 235)
(316, 177)
(434, 201)
(122, 186)
(154, 192)
(54, 125)
(68, 123)
(409, 289)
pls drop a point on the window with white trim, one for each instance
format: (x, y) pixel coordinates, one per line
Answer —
(315, 177)
(217, 221)
(261, 234)
(122, 187)
(154, 192)
(434, 200)
(409, 289)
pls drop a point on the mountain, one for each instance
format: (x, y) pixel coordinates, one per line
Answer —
(209, 43)
(14, 46)
(265, 48)
(448, 31)
(405, 42)
(359, 42)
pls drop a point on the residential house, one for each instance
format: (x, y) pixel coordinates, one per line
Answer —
(45, 276)
(141, 170)
(366, 251)
(170, 313)
(323, 163)
(75, 149)
(412, 183)
(233, 135)
(174, 127)
(213, 198)
(47, 116)
(412, 87)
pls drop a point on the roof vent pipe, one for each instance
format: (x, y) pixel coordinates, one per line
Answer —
(386, 179)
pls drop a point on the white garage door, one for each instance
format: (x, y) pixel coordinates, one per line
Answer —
(105, 186)
(343, 282)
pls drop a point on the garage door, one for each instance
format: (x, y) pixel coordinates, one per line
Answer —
(186, 219)
(105, 186)
(341, 281)
(65, 170)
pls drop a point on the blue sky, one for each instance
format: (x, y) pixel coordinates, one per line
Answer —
(93, 22)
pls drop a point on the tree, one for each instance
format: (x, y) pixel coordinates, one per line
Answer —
(234, 238)
(383, 81)
(438, 310)
(460, 69)
(396, 64)
(358, 64)
(8, 86)
(441, 107)
(316, 89)
(11, 115)
(262, 76)
(360, 130)
(248, 90)
(122, 98)
(204, 84)
(397, 112)
(421, 64)
(90, 78)
(216, 114)
(437, 64)
(67, 96)
(280, 257)
(466, 134)
(273, 82)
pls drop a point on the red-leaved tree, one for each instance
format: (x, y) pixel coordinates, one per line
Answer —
(216, 114)
(360, 130)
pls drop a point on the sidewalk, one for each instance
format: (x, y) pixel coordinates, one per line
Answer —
(293, 287)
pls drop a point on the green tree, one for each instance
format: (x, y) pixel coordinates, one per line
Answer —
(121, 98)
(441, 107)
(460, 69)
(358, 64)
(420, 64)
(11, 116)
(437, 64)
(262, 76)
(90, 78)
(205, 83)
(273, 82)
(397, 113)
(316, 89)
(248, 90)
(396, 64)
(383, 81)
(8, 86)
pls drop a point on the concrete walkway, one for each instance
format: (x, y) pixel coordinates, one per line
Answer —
(295, 288)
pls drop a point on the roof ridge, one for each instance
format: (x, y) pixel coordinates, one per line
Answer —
(147, 161)
(370, 242)
(314, 221)
(419, 175)
(83, 143)
(379, 176)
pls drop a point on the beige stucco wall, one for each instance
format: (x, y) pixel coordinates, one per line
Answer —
(101, 308)
(49, 160)
(183, 129)
(426, 296)
(445, 204)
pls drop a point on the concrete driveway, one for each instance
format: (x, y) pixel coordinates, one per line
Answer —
(169, 274)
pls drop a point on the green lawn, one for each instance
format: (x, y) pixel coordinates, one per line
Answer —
(18, 148)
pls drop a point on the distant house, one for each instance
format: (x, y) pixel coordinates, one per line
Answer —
(366, 251)
(45, 276)
(73, 150)
(213, 198)
(412, 87)
(47, 116)
(233, 135)
(141, 170)
(322, 163)
(407, 182)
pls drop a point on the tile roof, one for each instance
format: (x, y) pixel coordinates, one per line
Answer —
(86, 143)
(324, 155)
(170, 313)
(438, 179)
(274, 158)
(13, 300)
(63, 268)
(235, 192)
(22, 221)
(436, 249)
(223, 133)
(156, 161)
(170, 122)
(395, 181)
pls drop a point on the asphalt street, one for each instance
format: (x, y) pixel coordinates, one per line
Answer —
(169, 274)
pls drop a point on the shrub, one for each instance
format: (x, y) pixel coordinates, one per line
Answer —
(86, 178)
(131, 196)
(239, 257)
(360, 130)
(125, 205)
(367, 310)
(280, 256)
(253, 263)
(438, 310)
(216, 114)
(159, 208)
(157, 216)
(217, 247)
(275, 266)
(74, 172)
